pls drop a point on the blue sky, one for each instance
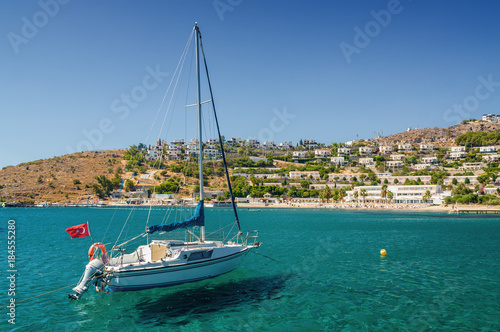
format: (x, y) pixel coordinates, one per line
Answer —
(284, 70)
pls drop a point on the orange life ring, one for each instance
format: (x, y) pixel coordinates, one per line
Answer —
(92, 250)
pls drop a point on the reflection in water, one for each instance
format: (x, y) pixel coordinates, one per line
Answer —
(211, 298)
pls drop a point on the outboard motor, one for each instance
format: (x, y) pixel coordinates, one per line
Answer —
(92, 270)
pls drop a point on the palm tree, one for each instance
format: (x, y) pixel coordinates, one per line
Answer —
(322, 196)
(356, 194)
(363, 194)
(426, 196)
(327, 192)
(341, 194)
(383, 192)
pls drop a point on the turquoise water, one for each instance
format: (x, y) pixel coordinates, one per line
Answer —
(441, 272)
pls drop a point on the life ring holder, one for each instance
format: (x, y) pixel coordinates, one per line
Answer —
(93, 248)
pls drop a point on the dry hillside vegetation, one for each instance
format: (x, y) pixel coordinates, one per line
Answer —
(443, 137)
(59, 179)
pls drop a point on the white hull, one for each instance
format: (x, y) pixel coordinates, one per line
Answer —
(180, 270)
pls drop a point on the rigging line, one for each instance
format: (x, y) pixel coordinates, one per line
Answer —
(220, 138)
(109, 224)
(175, 88)
(126, 221)
(232, 224)
(39, 295)
(132, 239)
(171, 80)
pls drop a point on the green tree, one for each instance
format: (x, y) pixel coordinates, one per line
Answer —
(128, 185)
(461, 189)
(104, 186)
(483, 179)
(363, 194)
(383, 192)
(327, 192)
(426, 196)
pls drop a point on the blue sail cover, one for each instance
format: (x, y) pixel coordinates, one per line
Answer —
(198, 219)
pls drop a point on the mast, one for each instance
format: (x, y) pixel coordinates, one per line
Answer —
(200, 157)
(221, 143)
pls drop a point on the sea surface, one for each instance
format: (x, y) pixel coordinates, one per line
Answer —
(317, 270)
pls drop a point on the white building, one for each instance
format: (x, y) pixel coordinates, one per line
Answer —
(385, 149)
(212, 141)
(304, 175)
(425, 179)
(487, 149)
(300, 154)
(457, 155)
(338, 177)
(397, 157)
(211, 152)
(366, 161)
(179, 142)
(491, 118)
(155, 152)
(252, 142)
(430, 160)
(309, 144)
(394, 164)
(460, 179)
(472, 166)
(491, 158)
(426, 147)
(458, 149)
(340, 161)
(322, 153)
(419, 167)
(401, 194)
(286, 145)
(344, 151)
(235, 141)
(365, 150)
(268, 145)
(406, 147)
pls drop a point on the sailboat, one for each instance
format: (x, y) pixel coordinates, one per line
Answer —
(163, 263)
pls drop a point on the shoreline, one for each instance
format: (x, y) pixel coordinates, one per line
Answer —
(356, 207)
(454, 209)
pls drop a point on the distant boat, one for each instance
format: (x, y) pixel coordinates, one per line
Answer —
(162, 263)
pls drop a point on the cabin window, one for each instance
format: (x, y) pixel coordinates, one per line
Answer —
(200, 255)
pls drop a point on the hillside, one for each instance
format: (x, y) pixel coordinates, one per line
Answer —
(443, 137)
(53, 179)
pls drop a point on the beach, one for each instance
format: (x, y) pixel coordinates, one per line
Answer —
(370, 206)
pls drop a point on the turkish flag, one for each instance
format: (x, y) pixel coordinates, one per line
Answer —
(78, 231)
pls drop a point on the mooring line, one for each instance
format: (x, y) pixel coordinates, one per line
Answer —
(38, 295)
(266, 256)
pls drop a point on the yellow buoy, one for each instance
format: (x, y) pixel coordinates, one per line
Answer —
(383, 252)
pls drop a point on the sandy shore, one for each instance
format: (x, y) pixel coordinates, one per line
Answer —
(360, 206)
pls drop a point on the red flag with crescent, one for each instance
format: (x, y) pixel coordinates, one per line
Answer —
(78, 231)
